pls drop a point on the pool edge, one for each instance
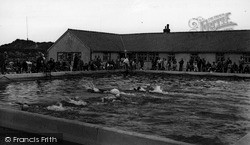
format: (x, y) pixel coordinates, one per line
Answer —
(245, 140)
(50, 75)
(76, 131)
(212, 74)
(32, 76)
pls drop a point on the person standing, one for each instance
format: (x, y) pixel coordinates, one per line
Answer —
(241, 63)
(181, 62)
(126, 62)
(141, 64)
(75, 63)
(3, 61)
(174, 65)
(40, 63)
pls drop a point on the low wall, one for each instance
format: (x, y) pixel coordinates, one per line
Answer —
(216, 74)
(75, 131)
(32, 76)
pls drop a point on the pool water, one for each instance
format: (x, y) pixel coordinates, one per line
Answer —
(201, 110)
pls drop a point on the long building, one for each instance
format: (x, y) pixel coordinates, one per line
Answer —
(210, 45)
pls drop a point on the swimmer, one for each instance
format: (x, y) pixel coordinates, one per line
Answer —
(93, 90)
(90, 87)
(115, 92)
(109, 98)
(140, 89)
(24, 106)
(77, 101)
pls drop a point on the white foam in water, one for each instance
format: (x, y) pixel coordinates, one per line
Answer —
(158, 89)
(56, 107)
(220, 81)
(78, 103)
(109, 97)
(129, 94)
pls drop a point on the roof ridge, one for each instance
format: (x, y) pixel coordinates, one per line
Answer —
(185, 32)
(190, 32)
(91, 31)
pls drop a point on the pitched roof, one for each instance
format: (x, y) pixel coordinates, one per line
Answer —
(99, 41)
(210, 41)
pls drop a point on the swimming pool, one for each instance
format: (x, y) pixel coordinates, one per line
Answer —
(203, 110)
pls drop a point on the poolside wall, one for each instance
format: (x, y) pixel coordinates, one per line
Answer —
(75, 131)
(212, 74)
(34, 76)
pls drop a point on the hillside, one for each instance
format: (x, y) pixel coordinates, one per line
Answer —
(26, 45)
(25, 50)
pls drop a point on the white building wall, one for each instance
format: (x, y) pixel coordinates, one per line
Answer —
(209, 57)
(163, 55)
(234, 57)
(69, 43)
(100, 54)
(147, 65)
(114, 56)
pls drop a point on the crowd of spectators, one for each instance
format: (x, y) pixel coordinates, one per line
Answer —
(40, 64)
(198, 64)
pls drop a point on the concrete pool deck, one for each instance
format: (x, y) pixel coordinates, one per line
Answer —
(75, 131)
(33, 76)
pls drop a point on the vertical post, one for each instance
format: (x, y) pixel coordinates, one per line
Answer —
(125, 51)
(27, 28)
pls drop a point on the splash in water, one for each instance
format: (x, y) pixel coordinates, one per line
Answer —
(57, 107)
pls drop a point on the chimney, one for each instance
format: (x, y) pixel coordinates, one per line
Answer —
(166, 29)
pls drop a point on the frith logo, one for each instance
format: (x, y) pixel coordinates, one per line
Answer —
(216, 23)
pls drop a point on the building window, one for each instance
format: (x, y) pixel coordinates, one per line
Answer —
(246, 58)
(171, 57)
(67, 56)
(220, 57)
(142, 56)
(131, 56)
(152, 56)
(106, 56)
(61, 56)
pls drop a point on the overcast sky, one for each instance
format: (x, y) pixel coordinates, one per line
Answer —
(49, 19)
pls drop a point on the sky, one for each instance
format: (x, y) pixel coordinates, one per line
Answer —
(47, 20)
